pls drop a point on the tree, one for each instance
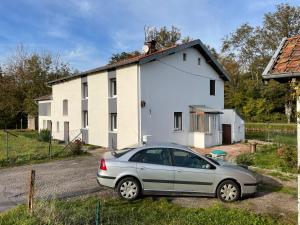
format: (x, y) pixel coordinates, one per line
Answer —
(24, 78)
(164, 38)
(245, 54)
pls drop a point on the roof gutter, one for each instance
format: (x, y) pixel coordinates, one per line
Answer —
(281, 75)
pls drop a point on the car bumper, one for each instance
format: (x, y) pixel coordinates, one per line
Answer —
(104, 180)
(249, 188)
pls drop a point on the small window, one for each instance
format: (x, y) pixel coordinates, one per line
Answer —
(177, 120)
(113, 122)
(84, 90)
(85, 119)
(184, 56)
(189, 160)
(113, 87)
(65, 107)
(212, 85)
(158, 156)
(199, 61)
(57, 127)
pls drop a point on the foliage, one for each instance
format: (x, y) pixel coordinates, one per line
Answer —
(23, 78)
(246, 159)
(76, 147)
(245, 54)
(44, 135)
(164, 38)
(289, 158)
(143, 211)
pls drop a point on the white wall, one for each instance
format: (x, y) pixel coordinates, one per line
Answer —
(229, 116)
(98, 109)
(167, 90)
(44, 118)
(70, 90)
(127, 106)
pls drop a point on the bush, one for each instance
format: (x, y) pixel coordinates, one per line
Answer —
(289, 158)
(246, 159)
(44, 135)
(76, 147)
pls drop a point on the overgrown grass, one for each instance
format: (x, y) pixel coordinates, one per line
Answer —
(143, 211)
(25, 149)
(271, 188)
(267, 157)
(273, 126)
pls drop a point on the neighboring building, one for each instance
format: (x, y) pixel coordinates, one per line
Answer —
(285, 67)
(171, 95)
(233, 126)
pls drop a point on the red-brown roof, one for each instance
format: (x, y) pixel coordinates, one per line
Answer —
(288, 59)
(144, 58)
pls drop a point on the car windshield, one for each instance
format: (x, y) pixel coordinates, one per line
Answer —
(212, 160)
(119, 153)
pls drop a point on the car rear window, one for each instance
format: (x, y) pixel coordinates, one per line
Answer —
(119, 153)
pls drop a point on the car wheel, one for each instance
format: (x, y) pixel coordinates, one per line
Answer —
(228, 191)
(128, 188)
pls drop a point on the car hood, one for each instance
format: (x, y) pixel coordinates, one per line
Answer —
(239, 168)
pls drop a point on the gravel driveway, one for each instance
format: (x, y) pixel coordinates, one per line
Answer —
(77, 176)
(64, 178)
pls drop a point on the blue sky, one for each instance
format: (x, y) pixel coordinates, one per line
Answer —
(86, 32)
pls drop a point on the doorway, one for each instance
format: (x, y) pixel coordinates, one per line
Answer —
(66, 132)
(226, 128)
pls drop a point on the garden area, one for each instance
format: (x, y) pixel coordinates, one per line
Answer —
(112, 211)
(26, 147)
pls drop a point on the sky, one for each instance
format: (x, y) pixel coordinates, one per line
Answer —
(85, 33)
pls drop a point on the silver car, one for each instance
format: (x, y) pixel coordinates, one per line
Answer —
(171, 169)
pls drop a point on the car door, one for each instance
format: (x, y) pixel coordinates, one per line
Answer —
(192, 172)
(154, 167)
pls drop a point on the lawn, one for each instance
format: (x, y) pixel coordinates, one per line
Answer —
(266, 157)
(143, 211)
(25, 149)
(272, 132)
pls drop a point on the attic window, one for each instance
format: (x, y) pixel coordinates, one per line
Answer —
(184, 56)
(199, 61)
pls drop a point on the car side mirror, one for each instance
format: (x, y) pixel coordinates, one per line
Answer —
(207, 166)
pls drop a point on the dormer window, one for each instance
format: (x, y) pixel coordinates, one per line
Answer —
(184, 56)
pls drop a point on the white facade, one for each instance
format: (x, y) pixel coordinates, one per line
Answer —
(152, 99)
(166, 90)
(231, 117)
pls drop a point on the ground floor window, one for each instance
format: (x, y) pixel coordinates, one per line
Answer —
(205, 122)
(113, 122)
(177, 120)
(85, 119)
(57, 127)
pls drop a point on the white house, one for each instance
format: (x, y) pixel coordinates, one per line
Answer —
(233, 126)
(170, 95)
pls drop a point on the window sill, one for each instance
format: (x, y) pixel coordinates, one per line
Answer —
(115, 96)
(113, 131)
(177, 131)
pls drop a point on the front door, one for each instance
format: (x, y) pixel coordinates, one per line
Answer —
(154, 167)
(66, 132)
(192, 173)
(226, 128)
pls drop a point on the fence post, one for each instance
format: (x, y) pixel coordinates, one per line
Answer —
(6, 140)
(50, 145)
(98, 216)
(31, 191)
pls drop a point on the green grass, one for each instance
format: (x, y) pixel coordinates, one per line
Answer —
(26, 149)
(266, 157)
(292, 127)
(143, 211)
(287, 190)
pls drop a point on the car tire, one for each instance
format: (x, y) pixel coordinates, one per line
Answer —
(129, 188)
(228, 191)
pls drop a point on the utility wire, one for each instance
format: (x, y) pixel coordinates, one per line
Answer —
(184, 71)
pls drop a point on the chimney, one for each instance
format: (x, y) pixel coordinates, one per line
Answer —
(152, 46)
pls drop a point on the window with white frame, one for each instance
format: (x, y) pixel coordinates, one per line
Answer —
(113, 87)
(84, 90)
(177, 120)
(113, 122)
(85, 119)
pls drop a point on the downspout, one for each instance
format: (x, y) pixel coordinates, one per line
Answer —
(139, 103)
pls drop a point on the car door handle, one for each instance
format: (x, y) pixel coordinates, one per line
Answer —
(178, 171)
(142, 168)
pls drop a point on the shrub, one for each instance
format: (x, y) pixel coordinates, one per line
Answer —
(44, 135)
(246, 159)
(76, 147)
(289, 158)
